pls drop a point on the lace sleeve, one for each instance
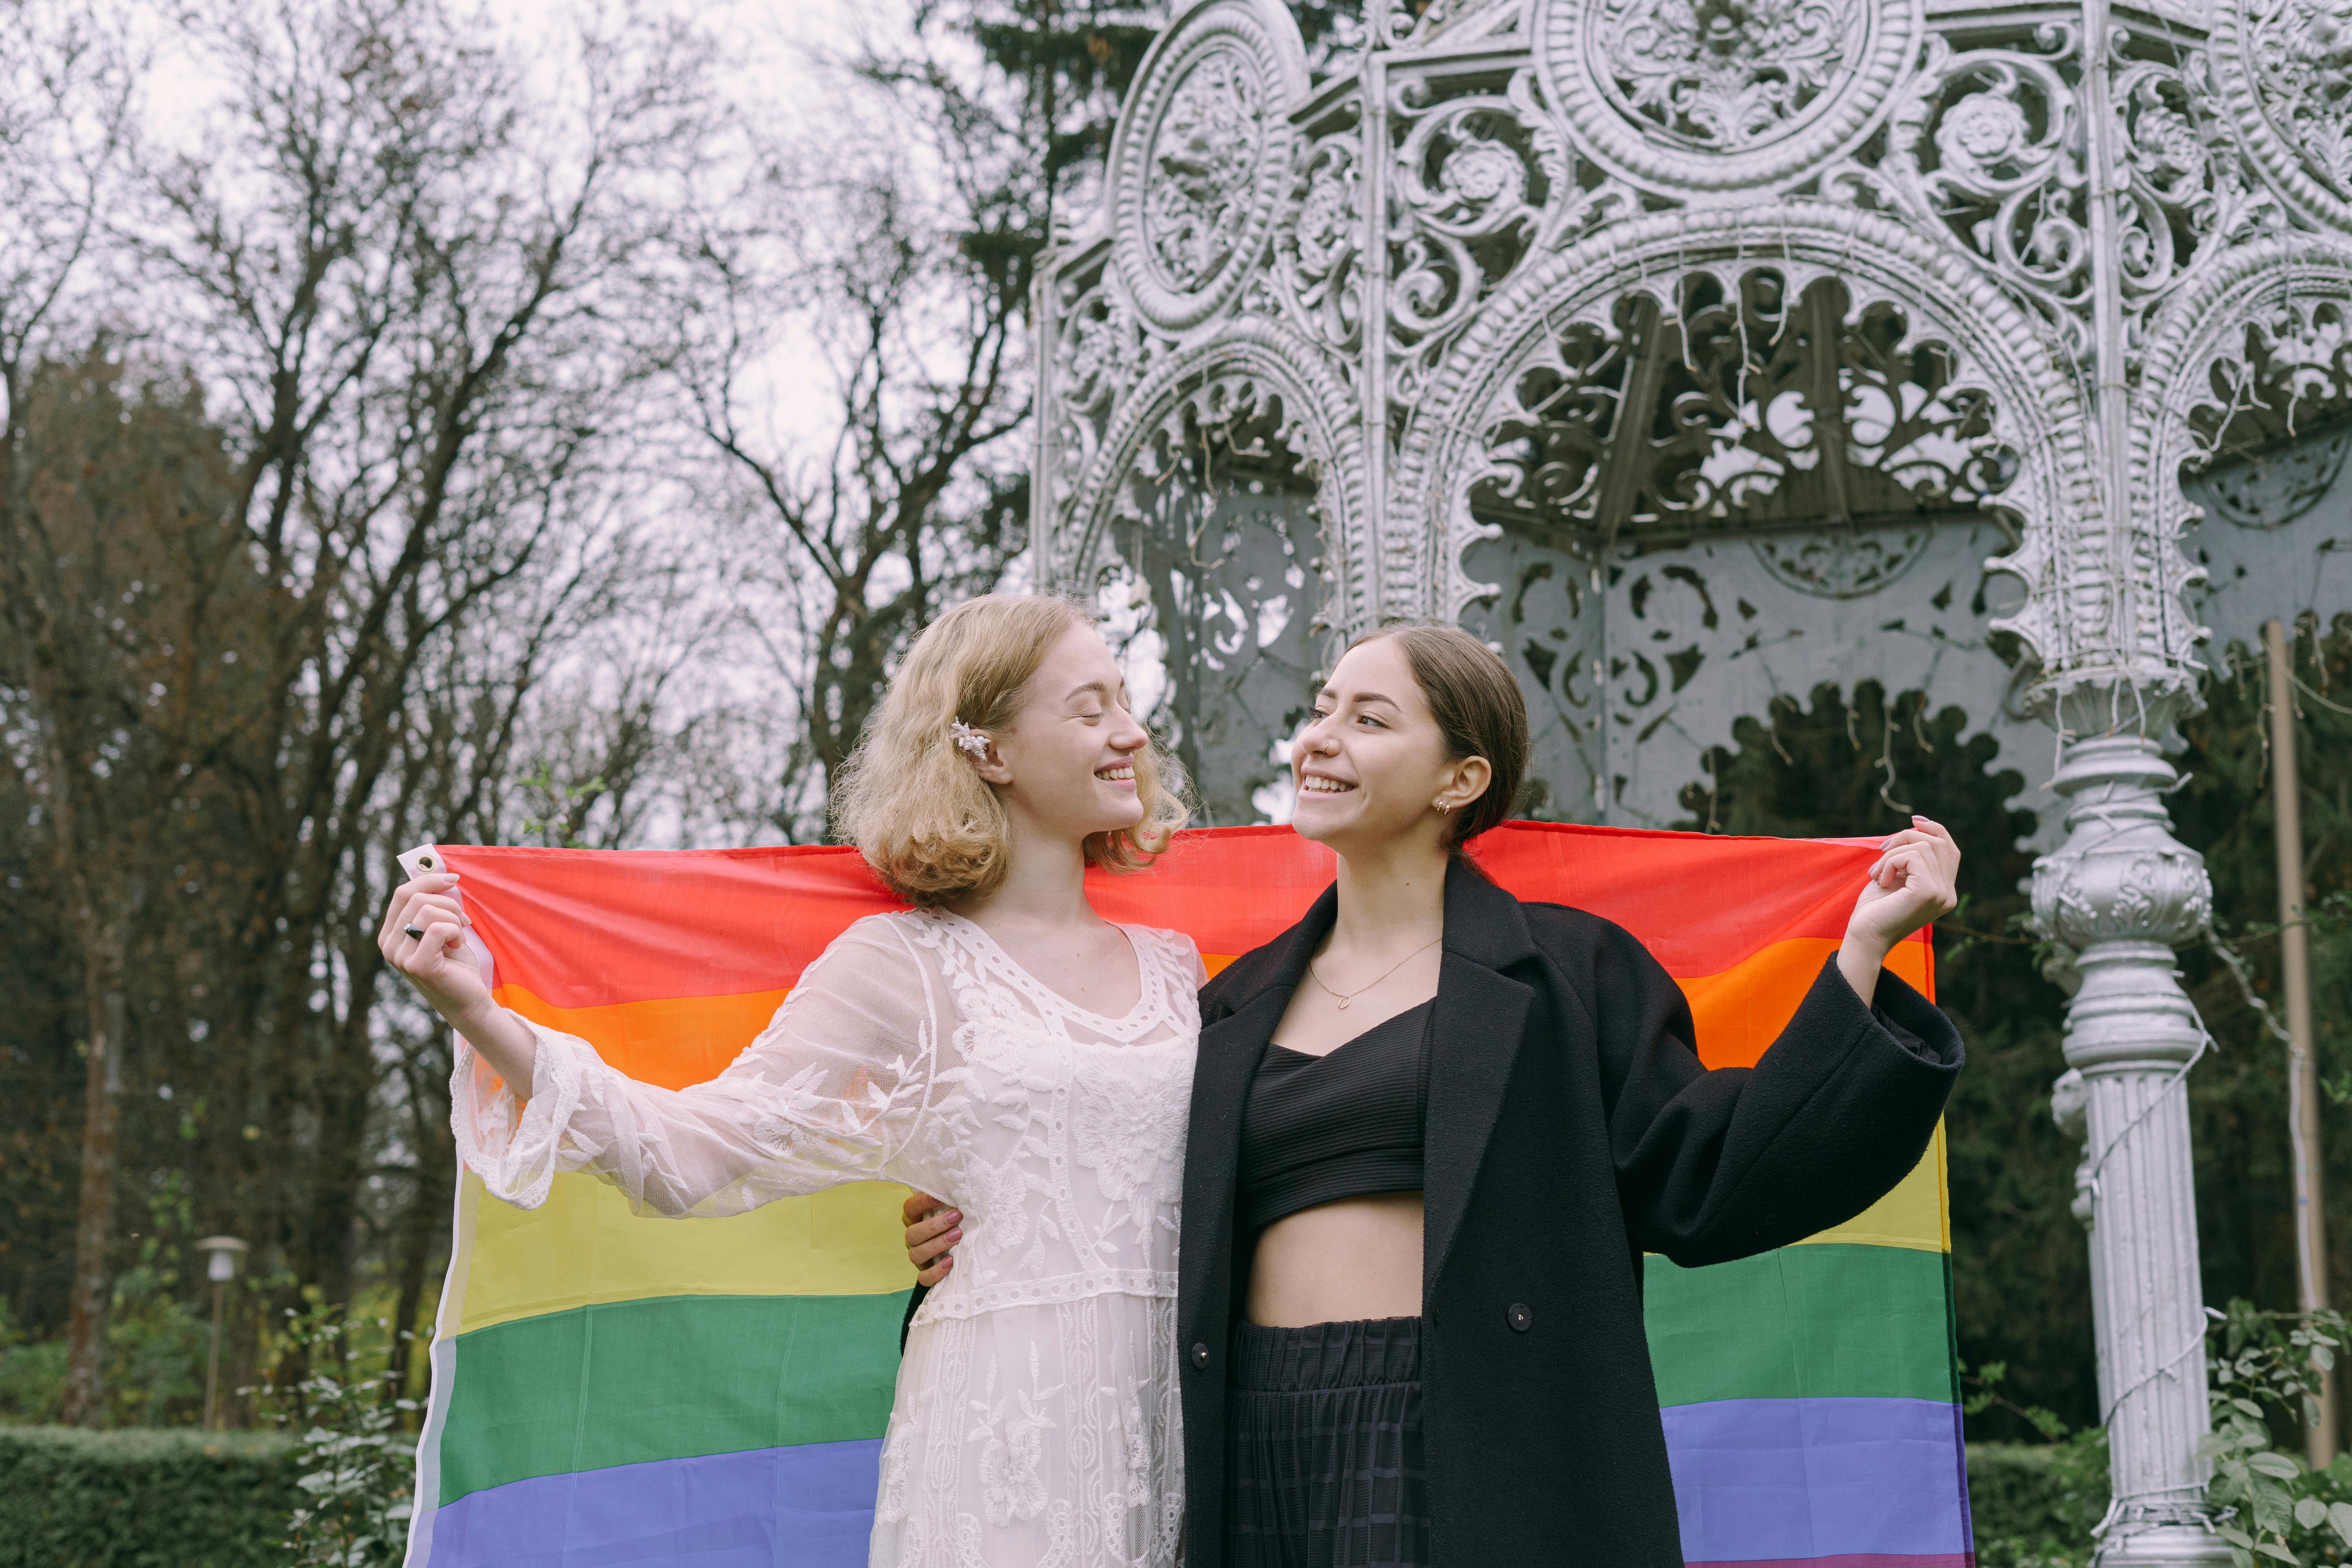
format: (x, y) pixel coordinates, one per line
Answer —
(827, 1093)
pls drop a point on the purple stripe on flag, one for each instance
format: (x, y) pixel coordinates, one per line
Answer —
(1861, 1560)
(1837, 1481)
(811, 1506)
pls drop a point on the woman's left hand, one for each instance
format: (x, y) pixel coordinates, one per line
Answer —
(1911, 884)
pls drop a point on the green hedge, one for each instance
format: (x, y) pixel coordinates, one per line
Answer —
(143, 1499)
(2034, 1505)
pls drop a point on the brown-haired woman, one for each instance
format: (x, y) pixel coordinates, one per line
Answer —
(1434, 1129)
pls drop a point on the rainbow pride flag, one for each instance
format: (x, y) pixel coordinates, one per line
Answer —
(611, 1390)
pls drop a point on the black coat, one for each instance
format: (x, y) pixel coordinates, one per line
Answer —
(1570, 1128)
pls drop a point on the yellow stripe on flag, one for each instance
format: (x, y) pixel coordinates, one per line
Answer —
(584, 1247)
(1914, 1215)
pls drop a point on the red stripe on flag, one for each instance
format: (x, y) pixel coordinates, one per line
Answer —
(592, 927)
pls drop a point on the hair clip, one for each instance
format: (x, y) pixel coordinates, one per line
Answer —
(968, 739)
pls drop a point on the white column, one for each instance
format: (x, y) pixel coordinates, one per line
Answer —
(2121, 892)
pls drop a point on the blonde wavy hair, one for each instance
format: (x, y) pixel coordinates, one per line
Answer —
(932, 829)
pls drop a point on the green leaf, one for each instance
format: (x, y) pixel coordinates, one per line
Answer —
(2275, 1465)
(2249, 1407)
(2236, 1537)
(2273, 1549)
(2310, 1512)
(2340, 1520)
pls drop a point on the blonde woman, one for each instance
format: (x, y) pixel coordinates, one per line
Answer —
(998, 1044)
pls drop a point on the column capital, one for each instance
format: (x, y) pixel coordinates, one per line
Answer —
(2120, 891)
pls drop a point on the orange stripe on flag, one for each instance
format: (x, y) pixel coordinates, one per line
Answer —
(682, 1040)
(1740, 1012)
(676, 1042)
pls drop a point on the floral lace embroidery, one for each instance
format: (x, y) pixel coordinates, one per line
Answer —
(1037, 1417)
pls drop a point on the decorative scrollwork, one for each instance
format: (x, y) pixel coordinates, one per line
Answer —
(1723, 76)
(1480, 182)
(1827, 435)
(1989, 149)
(1098, 354)
(2285, 66)
(1319, 247)
(1221, 547)
(1704, 100)
(2293, 372)
(1204, 157)
(1474, 179)
(1246, 399)
(2187, 198)
(1201, 157)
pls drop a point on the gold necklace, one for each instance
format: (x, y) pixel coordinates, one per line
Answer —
(1384, 973)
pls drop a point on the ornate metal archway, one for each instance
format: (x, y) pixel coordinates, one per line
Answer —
(1698, 351)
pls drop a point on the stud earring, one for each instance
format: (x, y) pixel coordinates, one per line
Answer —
(1442, 807)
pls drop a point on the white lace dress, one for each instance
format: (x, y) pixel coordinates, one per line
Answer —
(1037, 1417)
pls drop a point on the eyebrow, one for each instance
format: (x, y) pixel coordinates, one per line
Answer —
(1096, 687)
(1361, 698)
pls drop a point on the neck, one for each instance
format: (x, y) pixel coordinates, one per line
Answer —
(1044, 885)
(1391, 897)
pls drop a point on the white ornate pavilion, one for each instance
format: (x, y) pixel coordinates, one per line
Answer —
(1695, 351)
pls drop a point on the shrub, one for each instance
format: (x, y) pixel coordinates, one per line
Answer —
(357, 1461)
(2034, 1504)
(144, 1498)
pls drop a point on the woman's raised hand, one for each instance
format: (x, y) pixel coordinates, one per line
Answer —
(423, 936)
(1912, 883)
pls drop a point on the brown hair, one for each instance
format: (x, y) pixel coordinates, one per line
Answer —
(1478, 709)
(932, 829)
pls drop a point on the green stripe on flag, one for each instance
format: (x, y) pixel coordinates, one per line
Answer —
(1801, 1322)
(623, 1383)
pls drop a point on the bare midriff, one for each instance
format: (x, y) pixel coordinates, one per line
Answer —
(1352, 1258)
(1334, 1263)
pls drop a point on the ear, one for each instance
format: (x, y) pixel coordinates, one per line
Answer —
(990, 765)
(1466, 781)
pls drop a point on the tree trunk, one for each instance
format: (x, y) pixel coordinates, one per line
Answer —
(423, 1228)
(93, 1275)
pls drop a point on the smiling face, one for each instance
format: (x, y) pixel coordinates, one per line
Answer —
(1066, 762)
(1373, 763)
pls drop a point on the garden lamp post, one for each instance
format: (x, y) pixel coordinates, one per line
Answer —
(221, 1253)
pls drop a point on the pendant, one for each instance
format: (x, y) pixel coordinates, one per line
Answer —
(1343, 1003)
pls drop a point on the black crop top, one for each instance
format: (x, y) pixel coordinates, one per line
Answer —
(1340, 1125)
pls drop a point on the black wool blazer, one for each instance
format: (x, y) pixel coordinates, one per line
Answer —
(1570, 1128)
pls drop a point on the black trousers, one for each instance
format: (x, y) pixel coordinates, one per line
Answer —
(1323, 1448)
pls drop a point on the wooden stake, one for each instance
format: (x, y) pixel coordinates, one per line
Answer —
(2303, 1069)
